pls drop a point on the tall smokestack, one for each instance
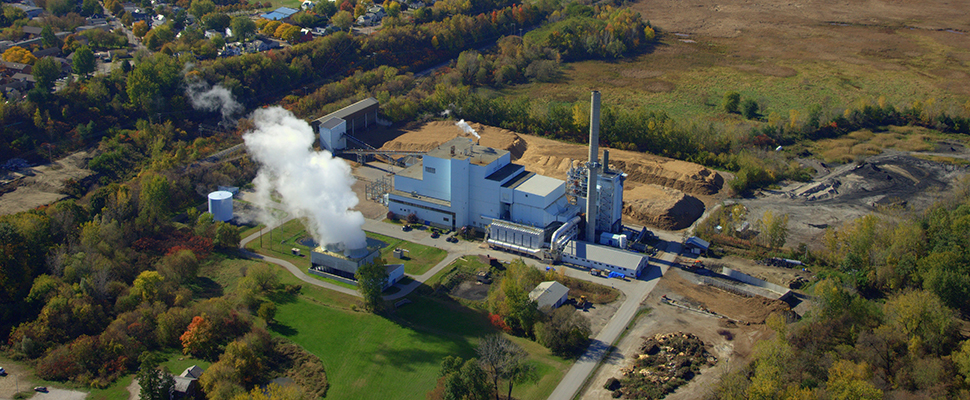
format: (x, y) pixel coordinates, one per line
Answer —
(592, 166)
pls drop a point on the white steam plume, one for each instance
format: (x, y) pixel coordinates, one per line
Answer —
(215, 98)
(313, 186)
(467, 128)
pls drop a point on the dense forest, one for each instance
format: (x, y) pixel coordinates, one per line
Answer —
(889, 317)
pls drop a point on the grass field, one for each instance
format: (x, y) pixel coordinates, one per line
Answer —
(421, 258)
(688, 81)
(118, 390)
(369, 356)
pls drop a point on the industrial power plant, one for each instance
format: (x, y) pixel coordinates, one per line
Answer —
(463, 184)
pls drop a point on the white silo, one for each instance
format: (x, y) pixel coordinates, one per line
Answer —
(220, 205)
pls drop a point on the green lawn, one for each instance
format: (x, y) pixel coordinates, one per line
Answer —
(118, 390)
(421, 258)
(369, 356)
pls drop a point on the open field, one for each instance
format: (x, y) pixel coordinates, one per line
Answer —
(785, 55)
(369, 356)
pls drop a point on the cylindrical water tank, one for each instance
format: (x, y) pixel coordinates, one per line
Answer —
(220, 205)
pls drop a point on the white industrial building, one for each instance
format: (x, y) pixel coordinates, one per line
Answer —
(549, 294)
(460, 183)
(343, 264)
(463, 184)
(588, 255)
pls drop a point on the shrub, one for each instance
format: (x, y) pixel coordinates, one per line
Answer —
(749, 109)
(731, 102)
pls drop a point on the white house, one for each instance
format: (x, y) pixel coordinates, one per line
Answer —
(550, 294)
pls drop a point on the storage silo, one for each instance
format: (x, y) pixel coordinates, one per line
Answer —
(220, 205)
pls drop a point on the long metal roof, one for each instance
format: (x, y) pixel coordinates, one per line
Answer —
(343, 113)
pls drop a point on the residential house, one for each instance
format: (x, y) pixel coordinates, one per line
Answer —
(31, 11)
(33, 31)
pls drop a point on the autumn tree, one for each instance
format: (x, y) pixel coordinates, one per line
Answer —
(83, 62)
(243, 27)
(267, 311)
(139, 29)
(325, 8)
(198, 339)
(774, 229)
(850, 381)
(200, 8)
(461, 380)
(371, 278)
(749, 109)
(155, 383)
(566, 332)
(181, 266)
(49, 38)
(46, 71)
(342, 20)
(147, 286)
(153, 201)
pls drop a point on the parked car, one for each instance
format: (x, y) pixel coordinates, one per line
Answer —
(406, 228)
(435, 234)
(42, 389)
(3, 372)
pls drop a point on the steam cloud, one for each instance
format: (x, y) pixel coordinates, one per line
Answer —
(313, 186)
(467, 128)
(212, 98)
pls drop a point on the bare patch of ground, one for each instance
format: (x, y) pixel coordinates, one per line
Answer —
(471, 290)
(41, 185)
(732, 343)
(661, 192)
(891, 181)
(776, 275)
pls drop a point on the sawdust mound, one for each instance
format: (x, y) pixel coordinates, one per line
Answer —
(660, 207)
(433, 134)
(675, 174)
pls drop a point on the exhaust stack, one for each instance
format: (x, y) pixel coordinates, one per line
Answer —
(592, 166)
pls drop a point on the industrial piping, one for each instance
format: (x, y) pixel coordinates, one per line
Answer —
(592, 166)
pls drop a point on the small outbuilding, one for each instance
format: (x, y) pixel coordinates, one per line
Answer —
(697, 245)
(550, 294)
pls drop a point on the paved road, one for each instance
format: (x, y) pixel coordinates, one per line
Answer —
(581, 371)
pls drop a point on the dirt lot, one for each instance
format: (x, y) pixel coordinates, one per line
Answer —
(19, 378)
(41, 185)
(893, 179)
(659, 192)
(664, 318)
